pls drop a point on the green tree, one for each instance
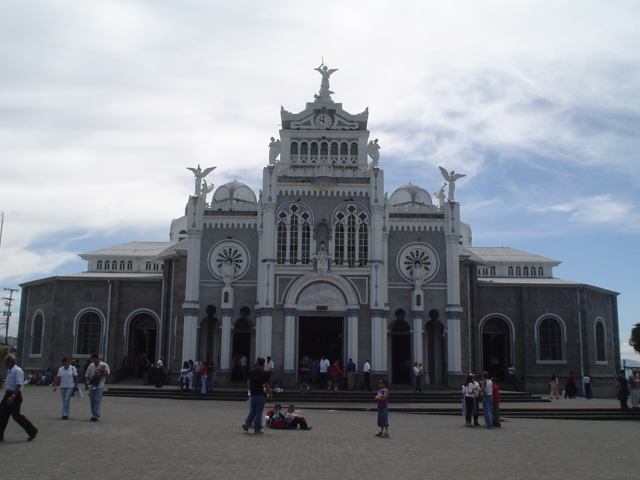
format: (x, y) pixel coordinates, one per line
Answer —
(4, 351)
(634, 339)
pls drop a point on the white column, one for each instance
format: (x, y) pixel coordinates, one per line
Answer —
(263, 333)
(290, 340)
(225, 349)
(191, 306)
(378, 342)
(352, 334)
(454, 310)
(417, 338)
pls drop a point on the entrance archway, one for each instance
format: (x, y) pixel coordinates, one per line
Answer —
(241, 345)
(320, 335)
(496, 347)
(143, 340)
(401, 368)
(207, 339)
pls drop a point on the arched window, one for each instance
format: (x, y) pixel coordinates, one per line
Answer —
(129, 265)
(294, 233)
(550, 344)
(518, 272)
(540, 272)
(351, 234)
(121, 264)
(601, 342)
(36, 334)
(510, 271)
(107, 265)
(99, 265)
(526, 271)
(533, 271)
(88, 333)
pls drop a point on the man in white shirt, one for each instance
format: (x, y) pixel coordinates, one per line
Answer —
(268, 367)
(96, 377)
(487, 399)
(324, 368)
(366, 370)
(416, 378)
(10, 405)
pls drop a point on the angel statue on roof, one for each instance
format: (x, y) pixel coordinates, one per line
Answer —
(325, 90)
(451, 177)
(200, 174)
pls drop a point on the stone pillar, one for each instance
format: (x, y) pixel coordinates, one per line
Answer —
(379, 342)
(352, 334)
(454, 310)
(290, 340)
(191, 306)
(263, 333)
(225, 348)
(417, 338)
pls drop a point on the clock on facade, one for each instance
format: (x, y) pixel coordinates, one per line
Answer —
(323, 121)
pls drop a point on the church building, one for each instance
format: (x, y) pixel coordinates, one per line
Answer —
(323, 261)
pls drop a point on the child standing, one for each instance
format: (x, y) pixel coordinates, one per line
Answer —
(383, 409)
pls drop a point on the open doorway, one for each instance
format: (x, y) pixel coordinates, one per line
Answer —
(496, 351)
(319, 336)
(401, 366)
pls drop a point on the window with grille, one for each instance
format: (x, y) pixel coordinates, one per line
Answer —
(351, 235)
(294, 234)
(550, 345)
(88, 334)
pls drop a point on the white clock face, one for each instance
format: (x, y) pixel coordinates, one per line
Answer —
(323, 121)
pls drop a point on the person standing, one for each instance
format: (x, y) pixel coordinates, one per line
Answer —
(244, 365)
(98, 372)
(203, 377)
(268, 368)
(495, 412)
(634, 389)
(570, 386)
(382, 399)
(366, 371)
(257, 383)
(160, 372)
(196, 384)
(622, 387)
(487, 399)
(12, 400)
(324, 372)
(67, 380)
(588, 383)
(417, 382)
(469, 390)
(351, 375)
(336, 374)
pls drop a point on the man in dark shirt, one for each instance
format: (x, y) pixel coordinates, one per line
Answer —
(257, 383)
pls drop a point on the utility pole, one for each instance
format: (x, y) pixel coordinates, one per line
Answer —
(7, 312)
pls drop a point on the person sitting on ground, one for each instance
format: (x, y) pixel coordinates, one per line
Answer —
(277, 388)
(292, 420)
(275, 418)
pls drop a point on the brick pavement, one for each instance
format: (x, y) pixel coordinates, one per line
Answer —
(162, 439)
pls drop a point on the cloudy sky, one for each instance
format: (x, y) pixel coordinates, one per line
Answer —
(104, 104)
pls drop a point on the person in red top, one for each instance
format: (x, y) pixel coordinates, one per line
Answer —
(336, 373)
(496, 404)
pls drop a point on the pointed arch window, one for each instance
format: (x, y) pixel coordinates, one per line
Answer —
(351, 235)
(88, 333)
(294, 221)
(37, 329)
(550, 340)
(601, 342)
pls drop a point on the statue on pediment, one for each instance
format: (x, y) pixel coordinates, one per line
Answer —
(440, 195)
(451, 178)
(325, 92)
(200, 174)
(373, 150)
(275, 148)
(322, 261)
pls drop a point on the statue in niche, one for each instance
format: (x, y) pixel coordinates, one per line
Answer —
(228, 270)
(322, 261)
(274, 150)
(325, 90)
(206, 190)
(200, 174)
(440, 195)
(451, 178)
(418, 273)
(373, 150)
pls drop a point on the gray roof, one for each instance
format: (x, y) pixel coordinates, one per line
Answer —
(496, 255)
(539, 282)
(131, 249)
(89, 276)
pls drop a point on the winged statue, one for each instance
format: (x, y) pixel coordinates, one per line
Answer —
(451, 177)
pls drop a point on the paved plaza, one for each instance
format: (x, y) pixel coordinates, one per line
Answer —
(168, 439)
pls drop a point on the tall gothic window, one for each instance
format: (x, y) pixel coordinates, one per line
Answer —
(550, 345)
(601, 351)
(88, 333)
(351, 235)
(294, 233)
(36, 334)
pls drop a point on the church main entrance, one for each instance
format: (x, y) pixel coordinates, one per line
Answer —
(143, 336)
(319, 335)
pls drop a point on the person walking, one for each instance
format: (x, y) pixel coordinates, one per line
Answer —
(366, 371)
(634, 389)
(67, 381)
(12, 400)
(257, 383)
(622, 388)
(95, 377)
